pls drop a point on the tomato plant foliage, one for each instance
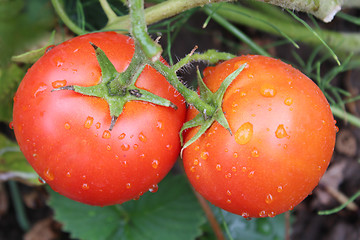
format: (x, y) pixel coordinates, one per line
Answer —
(65, 135)
(283, 139)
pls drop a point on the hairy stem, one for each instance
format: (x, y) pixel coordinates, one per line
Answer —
(160, 12)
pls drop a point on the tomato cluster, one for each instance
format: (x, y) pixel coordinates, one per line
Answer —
(282, 142)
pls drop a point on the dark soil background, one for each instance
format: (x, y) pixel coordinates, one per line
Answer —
(341, 181)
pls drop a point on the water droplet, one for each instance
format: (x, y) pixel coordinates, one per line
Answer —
(160, 125)
(155, 164)
(197, 148)
(204, 155)
(48, 175)
(85, 186)
(228, 192)
(192, 169)
(233, 169)
(243, 169)
(288, 101)
(108, 147)
(59, 83)
(135, 146)
(125, 146)
(41, 180)
(279, 189)
(128, 185)
(235, 154)
(255, 153)
(271, 214)
(197, 177)
(280, 131)
(169, 147)
(58, 61)
(106, 134)
(42, 87)
(268, 90)
(228, 175)
(218, 167)
(142, 155)
(291, 208)
(244, 134)
(35, 155)
(336, 129)
(67, 126)
(269, 198)
(68, 174)
(142, 137)
(245, 215)
(251, 174)
(154, 188)
(226, 150)
(262, 214)
(122, 136)
(98, 125)
(196, 161)
(228, 201)
(11, 125)
(88, 122)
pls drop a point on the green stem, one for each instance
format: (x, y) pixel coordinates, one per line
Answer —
(65, 18)
(19, 206)
(340, 113)
(110, 14)
(234, 30)
(151, 49)
(190, 96)
(160, 12)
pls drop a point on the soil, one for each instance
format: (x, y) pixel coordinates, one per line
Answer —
(341, 181)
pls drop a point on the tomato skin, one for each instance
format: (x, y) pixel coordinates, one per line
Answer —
(64, 135)
(283, 139)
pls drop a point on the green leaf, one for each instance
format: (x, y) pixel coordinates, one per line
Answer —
(254, 229)
(171, 213)
(13, 164)
(10, 78)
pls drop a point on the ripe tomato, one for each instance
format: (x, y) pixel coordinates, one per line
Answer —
(64, 135)
(283, 139)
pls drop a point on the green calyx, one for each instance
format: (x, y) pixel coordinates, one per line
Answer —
(206, 118)
(119, 88)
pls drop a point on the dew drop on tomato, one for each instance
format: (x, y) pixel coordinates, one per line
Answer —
(85, 186)
(288, 101)
(106, 134)
(244, 134)
(155, 163)
(268, 90)
(88, 122)
(262, 214)
(125, 147)
(142, 137)
(218, 167)
(204, 155)
(41, 180)
(269, 198)
(255, 153)
(154, 188)
(280, 131)
(58, 83)
(48, 175)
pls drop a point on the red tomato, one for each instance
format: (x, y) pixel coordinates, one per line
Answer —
(64, 135)
(283, 139)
